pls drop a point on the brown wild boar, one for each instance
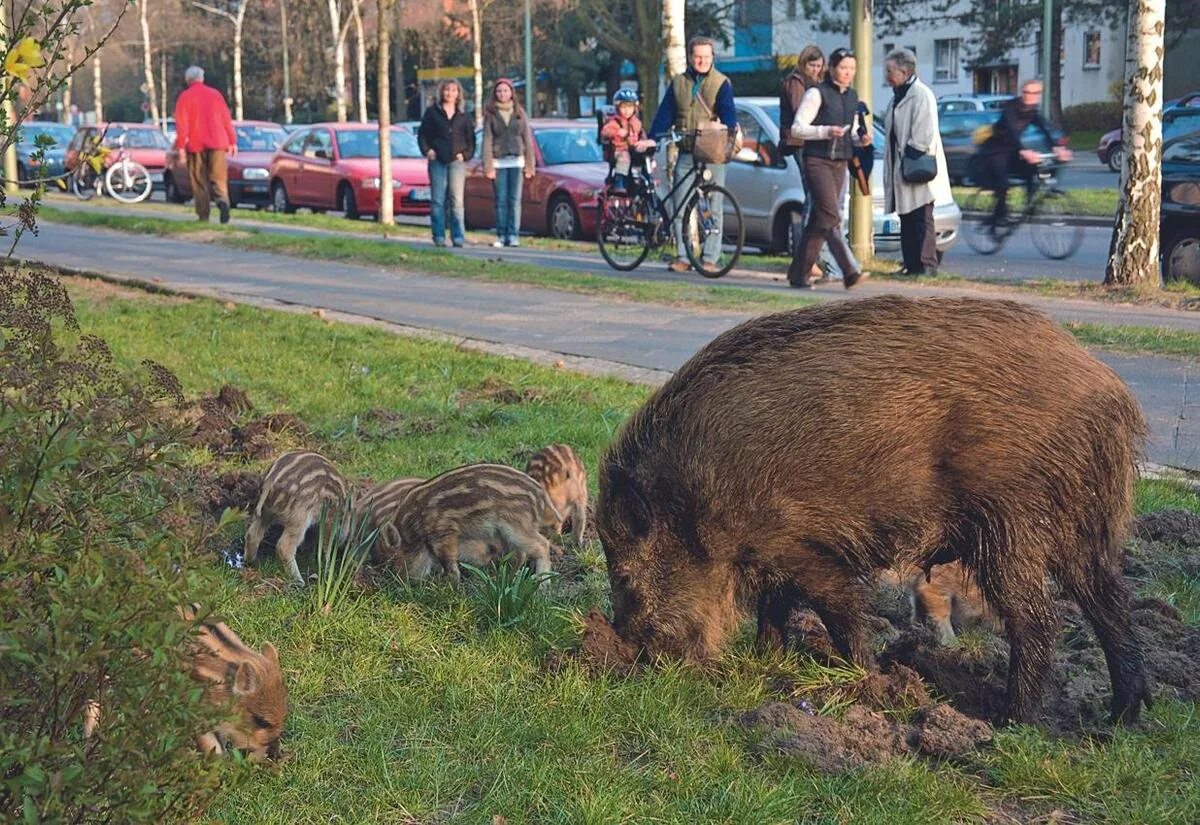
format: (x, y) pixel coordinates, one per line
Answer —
(947, 596)
(476, 514)
(560, 472)
(296, 488)
(248, 682)
(382, 501)
(934, 430)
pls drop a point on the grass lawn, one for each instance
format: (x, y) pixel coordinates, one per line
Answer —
(404, 709)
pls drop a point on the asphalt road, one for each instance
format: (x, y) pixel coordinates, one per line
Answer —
(649, 336)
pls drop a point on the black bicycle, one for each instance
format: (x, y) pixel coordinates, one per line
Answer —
(1048, 208)
(635, 221)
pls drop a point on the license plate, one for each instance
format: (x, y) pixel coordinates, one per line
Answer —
(889, 227)
(419, 193)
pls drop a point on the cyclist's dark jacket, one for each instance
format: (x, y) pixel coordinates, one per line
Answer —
(1015, 118)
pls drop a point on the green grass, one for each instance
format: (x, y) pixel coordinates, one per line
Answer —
(404, 709)
(1084, 142)
(1100, 203)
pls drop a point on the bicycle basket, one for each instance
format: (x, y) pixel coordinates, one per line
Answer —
(710, 143)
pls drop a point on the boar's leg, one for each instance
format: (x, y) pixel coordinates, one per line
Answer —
(254, 537)
(578, 521)
(1104, 598)
(445, 549)
(1022, 598)
(286, 547)
(774, 609)
(830, 588)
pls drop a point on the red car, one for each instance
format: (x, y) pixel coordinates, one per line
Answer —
(249, 169)
(560, 199)
(143, 142)
(336, 166)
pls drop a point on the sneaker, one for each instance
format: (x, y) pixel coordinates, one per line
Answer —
(459, 244)
(854, 277)
(439, 241)
(798, 279)
(513, 241)
(679, 265)
(224, 209)
(499, 243)
(707, 267)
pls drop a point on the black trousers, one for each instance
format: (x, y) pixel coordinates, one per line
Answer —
(1000, 169)
(824, 179)
(918, 240)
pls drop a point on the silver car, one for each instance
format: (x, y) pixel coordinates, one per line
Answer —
(769, 190)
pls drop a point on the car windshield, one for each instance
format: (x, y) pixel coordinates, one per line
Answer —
(569, 146)
(59, 133)
(137, 138)
(964, 124)
(1180, 122)
(259, 138)
(364, 143)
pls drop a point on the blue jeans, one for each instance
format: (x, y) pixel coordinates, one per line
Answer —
(712, 244)
(446, 182)
(508, 202)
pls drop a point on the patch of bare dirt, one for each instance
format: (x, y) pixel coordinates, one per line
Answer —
(601, 650)
(220, 425)
(236, 488)
(497, 392)
(1169, 527)
(97, 291)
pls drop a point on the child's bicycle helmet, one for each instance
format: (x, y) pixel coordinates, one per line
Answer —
(624, 96)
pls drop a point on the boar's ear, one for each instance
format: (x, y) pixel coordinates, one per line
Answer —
(633, 504)
(390, 536)
(245, 680)
(271, 653)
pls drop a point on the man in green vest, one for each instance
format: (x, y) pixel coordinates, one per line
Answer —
(700, 93)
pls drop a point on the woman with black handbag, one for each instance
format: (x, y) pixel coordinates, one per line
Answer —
(914, 167)
(824, 121)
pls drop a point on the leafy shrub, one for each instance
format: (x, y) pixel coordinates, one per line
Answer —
(504, 597)
(95, 558)
(1102, 116)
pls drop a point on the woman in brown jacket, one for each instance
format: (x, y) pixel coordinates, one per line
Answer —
(507, 158)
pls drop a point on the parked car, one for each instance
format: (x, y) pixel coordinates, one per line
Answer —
(1179, 229)
(771, 193)
(167, 125)
(971, 102)
(143, 142)
(249, 169)
(336, 166)
(1178, 119)
(53, 160)
(958, 140)
(560, 199)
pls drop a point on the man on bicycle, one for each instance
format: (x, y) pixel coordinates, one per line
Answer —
(1003, 156)
(698, 94)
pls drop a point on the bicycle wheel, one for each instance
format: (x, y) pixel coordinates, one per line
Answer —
(624, 240)
(1054, 233)
(713, 232)
(85, 183)
(982, 235)
(128, 181)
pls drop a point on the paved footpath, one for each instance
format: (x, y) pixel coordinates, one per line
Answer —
(651, 337)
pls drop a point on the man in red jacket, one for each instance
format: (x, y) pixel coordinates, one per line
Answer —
(204, 129)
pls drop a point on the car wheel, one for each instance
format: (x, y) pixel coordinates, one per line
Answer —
(1115, 156)
(279, 199)
(562, 219)
(347, 203)
(1181, 257)
(789, 224)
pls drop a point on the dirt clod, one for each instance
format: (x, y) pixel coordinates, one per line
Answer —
(237, 488)
(601, 649)
(497, 392)
(942, 731)
(1169, 526)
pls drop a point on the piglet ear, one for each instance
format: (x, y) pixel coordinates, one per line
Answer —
(245, 680)
(272, 655)
(390, 536)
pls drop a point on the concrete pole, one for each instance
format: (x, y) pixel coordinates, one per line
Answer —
(1047, 53)
(862, 41)
(530, 82)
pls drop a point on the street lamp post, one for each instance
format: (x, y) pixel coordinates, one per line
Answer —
(529, 81)
(862, 41)
(1047, 53)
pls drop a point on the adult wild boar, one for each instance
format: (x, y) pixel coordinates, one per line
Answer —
(801, 452)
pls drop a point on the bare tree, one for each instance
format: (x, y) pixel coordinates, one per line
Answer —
(338, 29)
(148, 61)
(360, 56)
(235, 12)
(673, 32)
(1133, 252)
(383, 36)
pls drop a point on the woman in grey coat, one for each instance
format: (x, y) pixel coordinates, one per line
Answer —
(911, 127)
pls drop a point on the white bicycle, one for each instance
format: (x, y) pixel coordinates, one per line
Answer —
(126, 179)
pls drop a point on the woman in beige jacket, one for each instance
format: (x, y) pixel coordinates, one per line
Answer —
(911, 126)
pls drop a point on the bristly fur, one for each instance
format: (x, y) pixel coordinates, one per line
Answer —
(801, 452)
(296, 489)
(476, 513)
(562, 475)
(383, 502)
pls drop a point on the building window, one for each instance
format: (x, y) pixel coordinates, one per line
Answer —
(1091, 50)
(945, 60)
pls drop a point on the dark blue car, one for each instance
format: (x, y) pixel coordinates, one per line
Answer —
(1179, 231)
(53, 161)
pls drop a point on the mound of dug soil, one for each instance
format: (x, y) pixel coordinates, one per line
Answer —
(1170, 527)
(1077, 687)
(601, 650)
(219, 428)
(233, 489)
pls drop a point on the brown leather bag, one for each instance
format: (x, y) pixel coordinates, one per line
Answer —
(711, 142)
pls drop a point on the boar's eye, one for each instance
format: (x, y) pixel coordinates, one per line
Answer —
(259, 722)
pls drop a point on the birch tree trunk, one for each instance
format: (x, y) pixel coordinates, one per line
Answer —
(339, 58)
(162, 90)
(477, 58)
(360, 60)
(1133, 255)
(238, 21)
(68, 95)
(97, 88)
(383, 36)
(676, 45)
(287, 71)
(148, 63)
